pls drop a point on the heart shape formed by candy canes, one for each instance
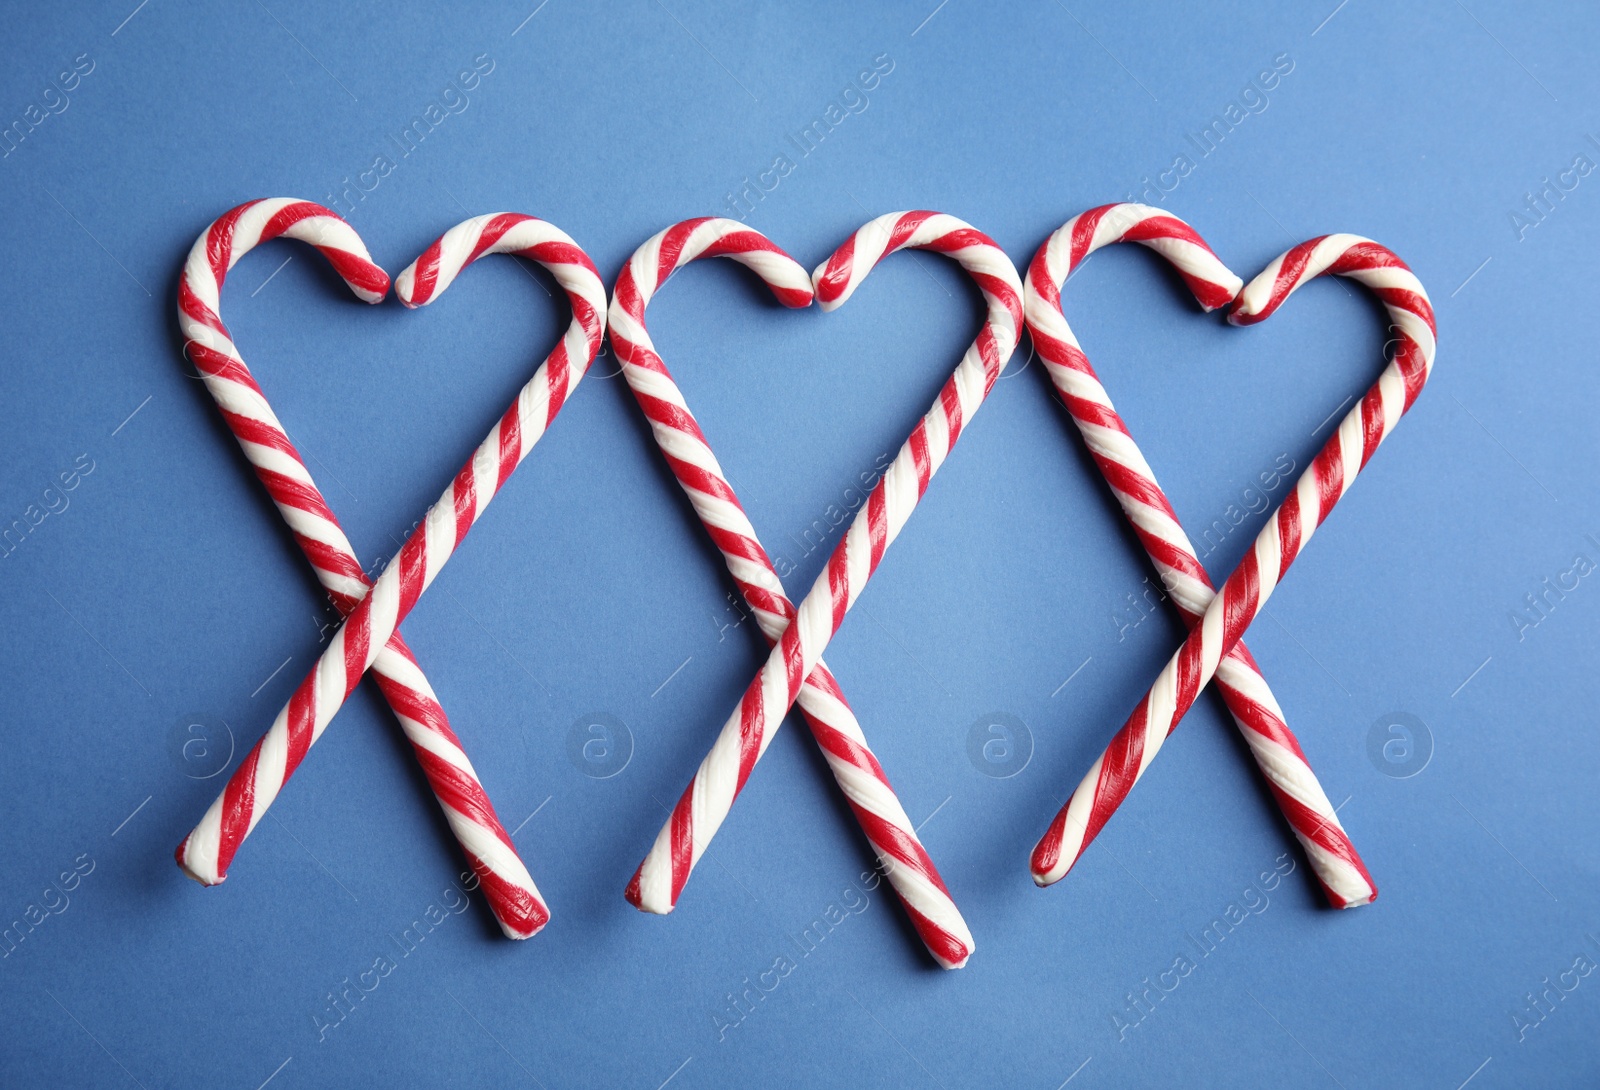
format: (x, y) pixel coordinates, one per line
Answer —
(507, 886)
(372, 621)
(909, 869)
(1329, 476)
(1256, 712)
(705, 803)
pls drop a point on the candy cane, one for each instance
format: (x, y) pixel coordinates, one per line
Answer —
(1255, 710)
(507, 886)
(877, 810)
(209, 849)
(1319, 488)
(746, 735)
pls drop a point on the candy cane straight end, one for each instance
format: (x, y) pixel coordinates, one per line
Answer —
(646, 897)
(1068, 836)
(952, 956)
(1045, 864)
(181, 855)
(528, 923)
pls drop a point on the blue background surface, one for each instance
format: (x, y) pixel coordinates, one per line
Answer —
(165, 593)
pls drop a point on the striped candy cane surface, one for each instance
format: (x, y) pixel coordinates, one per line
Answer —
(506, 884)
(1319, 488)
(747, 733)
(1255, 710)
(209, 849)
(901, 855)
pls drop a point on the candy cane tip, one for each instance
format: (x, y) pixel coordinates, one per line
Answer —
(795, 298)
(1248, 307)
(376, 294)
(1217, 296)
(183, 865)
(832, 285)
(954, 956)
(1045, 863)
(524, 929)
(404, 287)
(638, 899)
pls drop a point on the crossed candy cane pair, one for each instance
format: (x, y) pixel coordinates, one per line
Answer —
(1217, 621)
(903, 859)
(368, 637)
(795, 669)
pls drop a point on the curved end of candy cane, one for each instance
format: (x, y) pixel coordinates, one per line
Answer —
(332, 235)
(1251, 306)
(373, 293)
(405, 288)
(1212, 296)
(365, 278)
(794, 298)
(831, 282)
(1273, 284)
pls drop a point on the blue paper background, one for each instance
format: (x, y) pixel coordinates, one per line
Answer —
(166, 592)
